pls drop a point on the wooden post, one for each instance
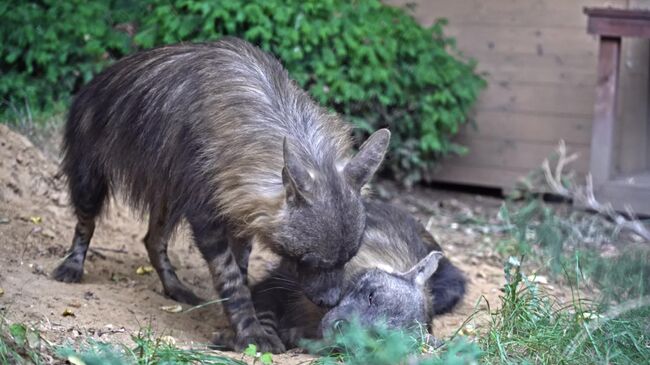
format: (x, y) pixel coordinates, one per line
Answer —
(602, 141)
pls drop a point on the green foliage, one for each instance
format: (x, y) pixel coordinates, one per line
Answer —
(538, 229)
(48, 48)
(265, 358)
(622, 277)
(532, 327)
(148, 350)
(19, 344)
(369, 62)
(380, 345)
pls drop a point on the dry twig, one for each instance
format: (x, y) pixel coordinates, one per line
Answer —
(584, 195)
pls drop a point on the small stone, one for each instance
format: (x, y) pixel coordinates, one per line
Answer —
(68, 313)
(144, 270)
(172, 308)
(540, 279)
(48, 233)
(168, 340)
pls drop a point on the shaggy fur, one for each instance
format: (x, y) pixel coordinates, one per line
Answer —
(219, 135)
(398, 275)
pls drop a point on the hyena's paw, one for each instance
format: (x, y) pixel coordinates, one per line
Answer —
(224, 341)
(183, 295)
(70, 271)
(265, 341)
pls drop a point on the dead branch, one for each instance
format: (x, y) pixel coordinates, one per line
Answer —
(584, 195)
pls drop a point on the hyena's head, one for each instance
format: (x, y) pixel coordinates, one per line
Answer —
(400, 300)
(324, 218)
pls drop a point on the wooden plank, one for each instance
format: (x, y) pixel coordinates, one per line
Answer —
(605, 110)
(530, 40)
(507, 73)
(647, 125)
(479, 176)
(530, 127)
(618, 22)
(639, 180)
(512, 154)
(632, 113)
(571, 100)
(619, 28)
(622, 196)
(488, 61)
(549, 13)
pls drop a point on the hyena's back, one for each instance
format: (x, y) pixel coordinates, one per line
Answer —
(171, 123)
(218, 134)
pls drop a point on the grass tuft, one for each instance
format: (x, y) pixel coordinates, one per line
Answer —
(383, 346)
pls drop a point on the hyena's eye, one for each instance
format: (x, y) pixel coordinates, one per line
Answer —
(371, 296)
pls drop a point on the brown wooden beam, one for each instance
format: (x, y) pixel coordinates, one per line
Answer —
(603, 129)
(618, 22)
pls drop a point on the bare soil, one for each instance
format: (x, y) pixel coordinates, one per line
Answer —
(113, 301)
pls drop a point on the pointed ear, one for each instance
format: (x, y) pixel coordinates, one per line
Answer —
(371, 154)
(424, 269)
(295, 177)
(428, 238)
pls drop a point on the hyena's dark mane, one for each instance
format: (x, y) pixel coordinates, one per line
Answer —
(178, 84)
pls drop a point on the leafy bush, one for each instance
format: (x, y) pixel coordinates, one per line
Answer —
(369, 62)
(48, 48)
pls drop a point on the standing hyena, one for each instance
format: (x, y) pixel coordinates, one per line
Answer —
(217, 134)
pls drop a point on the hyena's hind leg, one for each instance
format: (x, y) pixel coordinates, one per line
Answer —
(156, 241)
(88, 192)
(211, 236)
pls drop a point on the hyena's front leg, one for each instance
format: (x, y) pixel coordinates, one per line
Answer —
(156, 240)
(211, 238)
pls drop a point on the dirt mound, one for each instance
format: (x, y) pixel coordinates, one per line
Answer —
(112, 301)
(36, 227)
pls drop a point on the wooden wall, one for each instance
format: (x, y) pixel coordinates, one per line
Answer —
(541, 67)
(633, 138)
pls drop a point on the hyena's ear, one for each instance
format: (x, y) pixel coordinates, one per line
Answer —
(295, 177)
(371, 154)
(428, 238)
(424, 269)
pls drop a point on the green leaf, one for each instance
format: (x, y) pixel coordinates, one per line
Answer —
(251, 350)
(266, 358)
(19, 333)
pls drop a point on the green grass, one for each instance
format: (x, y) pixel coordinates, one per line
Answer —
(532, 327)
(557, 240)
(526, 326)
(20, 344)
(379, 345)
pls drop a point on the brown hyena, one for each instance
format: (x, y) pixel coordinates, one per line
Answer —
(219, 135)
(398, 275)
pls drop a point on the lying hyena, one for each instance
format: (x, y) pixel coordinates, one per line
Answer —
(399, 276)
(219, 135)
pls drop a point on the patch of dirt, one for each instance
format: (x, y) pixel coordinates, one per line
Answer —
(113, 301)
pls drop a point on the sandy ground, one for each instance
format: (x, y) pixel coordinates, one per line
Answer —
(113, 301)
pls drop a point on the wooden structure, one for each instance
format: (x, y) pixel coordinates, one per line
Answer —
(610, 25)
(541, 67)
